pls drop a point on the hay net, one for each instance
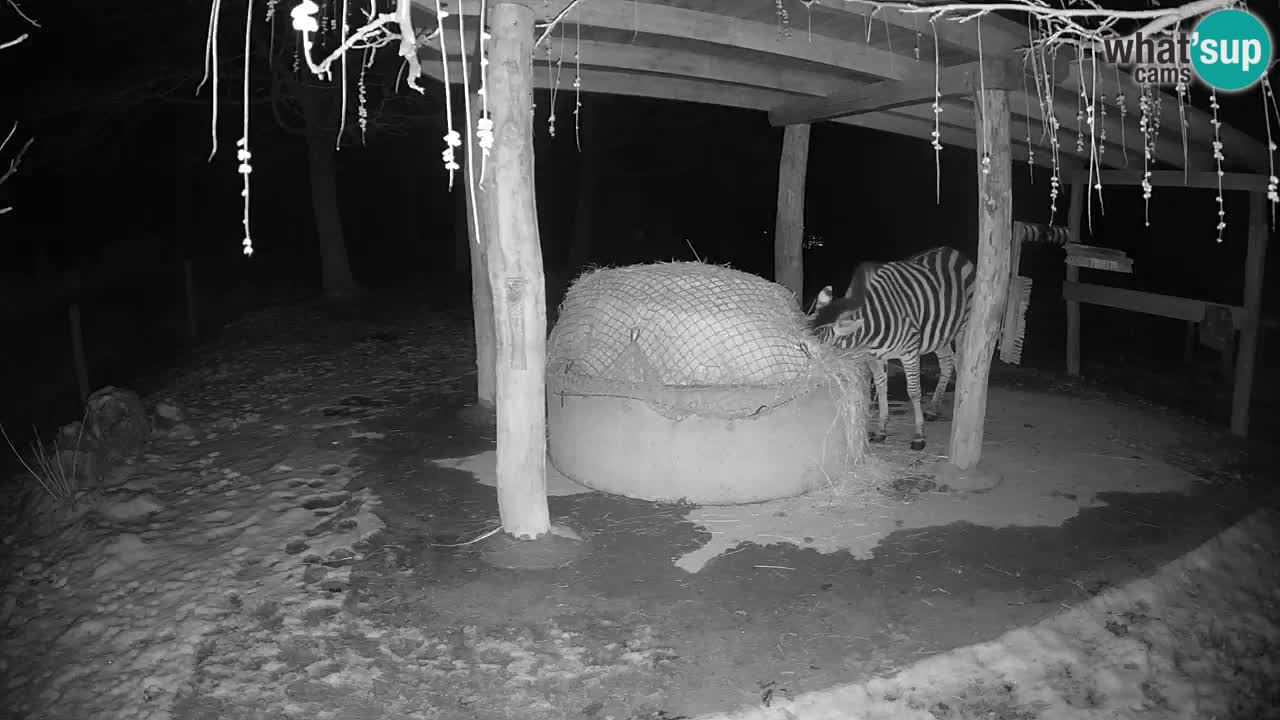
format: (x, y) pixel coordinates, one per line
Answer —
(689, 337)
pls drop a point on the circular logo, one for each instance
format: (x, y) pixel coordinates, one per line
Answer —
(1231, 49)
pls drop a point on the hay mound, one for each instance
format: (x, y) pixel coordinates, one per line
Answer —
(692, 338)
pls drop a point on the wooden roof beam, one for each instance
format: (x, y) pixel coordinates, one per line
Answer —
(714, 93)
(1251, 182)
(641, 59)
(713, 29)
(683, 63)
(960, 117)
(960, 81)
(999, 35)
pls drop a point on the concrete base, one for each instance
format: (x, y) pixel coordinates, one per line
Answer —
(624, 446)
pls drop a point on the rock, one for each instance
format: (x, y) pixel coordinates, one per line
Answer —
(7, 607)
(118, 421)
(82, 468)
(123, 507)
(71, 435)
(182, 431)
(169, 414)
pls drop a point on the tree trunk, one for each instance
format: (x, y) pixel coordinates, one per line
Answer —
(517, 279)
(1247, 355)
(1074, 227)
(589, 173)
(788, 236)
(335, 268)
(415, 244)
(995, 245)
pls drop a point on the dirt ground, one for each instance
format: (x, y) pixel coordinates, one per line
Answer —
(668, 614)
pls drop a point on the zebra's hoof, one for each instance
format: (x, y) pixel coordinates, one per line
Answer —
(876, 437)
(917, 442)
(930, 416)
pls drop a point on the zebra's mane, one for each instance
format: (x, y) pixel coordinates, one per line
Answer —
(856, 295)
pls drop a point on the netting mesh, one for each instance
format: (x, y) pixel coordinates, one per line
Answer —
(681, 324)
(693, 338)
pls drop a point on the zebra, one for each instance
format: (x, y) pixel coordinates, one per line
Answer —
(902, 310)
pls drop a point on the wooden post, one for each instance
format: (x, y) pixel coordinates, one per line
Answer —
(481, 294)
(517, 280)
(188, 280)
(1246, 356)
(991, 286)
(77, 351)
(1074, 219)
(788, 236)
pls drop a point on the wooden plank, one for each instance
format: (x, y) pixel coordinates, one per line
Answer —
(699, 91)
(963, 116)
(1170, 306)
(517, 280)
(732, 85)
(1246, 359)
(1075, 225)
(759, 37)
(788, 237)
(648, 61)
(1118, 265)
(953, 82)
(743, 35)
(999, 35)
(995, 241)
(1098, 258)
(1176, 178)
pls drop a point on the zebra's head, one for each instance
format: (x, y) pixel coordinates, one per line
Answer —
(834, 320)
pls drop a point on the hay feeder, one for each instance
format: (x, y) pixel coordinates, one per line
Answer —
(696, 382)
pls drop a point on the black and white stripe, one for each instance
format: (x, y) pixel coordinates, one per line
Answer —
(901, 311)
(1040, 234)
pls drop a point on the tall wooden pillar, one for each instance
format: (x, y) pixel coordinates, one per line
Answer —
(991, 286)
(1075, 217)
(788, 236)
(1246, 357)
(516, 278)
(478, 237)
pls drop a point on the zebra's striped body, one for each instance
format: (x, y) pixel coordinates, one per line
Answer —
(901, 311)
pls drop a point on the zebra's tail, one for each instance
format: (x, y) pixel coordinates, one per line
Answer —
(1040, 234)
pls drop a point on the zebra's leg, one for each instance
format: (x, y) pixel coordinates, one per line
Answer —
(881, 381)
(946, 367)
(911, 365)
